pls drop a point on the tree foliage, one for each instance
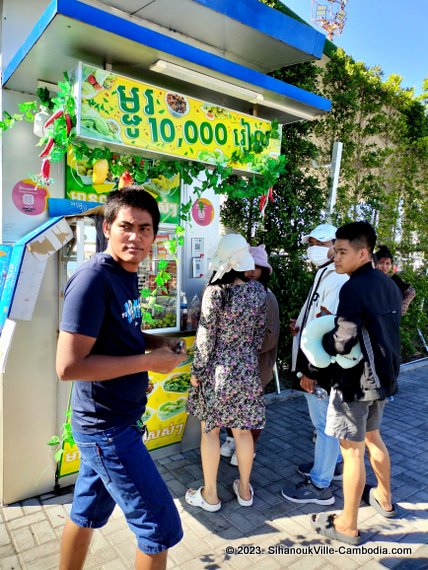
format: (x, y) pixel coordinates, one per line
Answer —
(383, 179)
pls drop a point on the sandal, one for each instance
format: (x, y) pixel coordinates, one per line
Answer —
(194, 497)
(241, 501)
(323, 524)
(369, 498)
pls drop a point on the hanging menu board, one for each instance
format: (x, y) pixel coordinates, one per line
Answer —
(125, 112)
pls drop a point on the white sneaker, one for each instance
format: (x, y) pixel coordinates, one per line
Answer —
(228, 447)
(234, 459)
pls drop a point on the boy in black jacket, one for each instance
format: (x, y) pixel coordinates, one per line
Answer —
(369, 313)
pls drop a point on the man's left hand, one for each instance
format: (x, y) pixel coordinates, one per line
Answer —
(307, 384)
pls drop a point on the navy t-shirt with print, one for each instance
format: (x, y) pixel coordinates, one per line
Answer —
(101, 300)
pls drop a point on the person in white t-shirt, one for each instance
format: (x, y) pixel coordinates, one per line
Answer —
(322, 299)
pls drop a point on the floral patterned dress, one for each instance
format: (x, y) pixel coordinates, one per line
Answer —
(226, 358)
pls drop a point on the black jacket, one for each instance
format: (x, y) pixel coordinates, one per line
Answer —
(369, 312)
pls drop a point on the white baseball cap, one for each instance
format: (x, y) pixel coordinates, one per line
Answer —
(323, 232)
(232, 253)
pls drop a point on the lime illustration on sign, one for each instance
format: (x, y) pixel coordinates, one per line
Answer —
(126, 112)
(79, 185)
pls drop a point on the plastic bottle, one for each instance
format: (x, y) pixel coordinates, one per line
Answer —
(194, 313)
(183, 312)
(319, 392)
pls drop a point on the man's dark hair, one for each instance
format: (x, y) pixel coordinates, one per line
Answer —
(383, 252)
(131, 197)
(359, 235)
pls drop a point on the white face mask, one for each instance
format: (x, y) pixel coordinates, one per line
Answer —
(318, 254)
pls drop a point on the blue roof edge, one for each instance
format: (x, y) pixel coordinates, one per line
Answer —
(269, 21)
(108, 22)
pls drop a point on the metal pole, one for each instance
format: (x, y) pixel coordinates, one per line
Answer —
(336, 158)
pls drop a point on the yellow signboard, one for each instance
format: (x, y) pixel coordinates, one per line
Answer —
(124, 112)
(165, 416)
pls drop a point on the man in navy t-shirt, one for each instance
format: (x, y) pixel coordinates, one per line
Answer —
(102, 348)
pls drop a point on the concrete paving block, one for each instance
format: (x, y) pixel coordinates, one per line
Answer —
(28, 520)
(211, 561)
(40, 552)
(421, 524)
(12, 512)
(43, 532)
(101, 556)
(239, 561)
(245, 522)
(194, 542)
(98, 542)
(342, 561)
(265, 533)
(198, 527)
(290, 527)
(228, 536)
(116, 565)
(23, 539)
(7, 550)
(275, 559)
(49, 562)
(114, 526)
(4, 535)
(176, 488)
(10, 563)
(308, 562)
(126, 551)
(122, 535)
(57, 515)
(180, 554)
(268, 497)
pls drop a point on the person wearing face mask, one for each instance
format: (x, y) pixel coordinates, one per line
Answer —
(322, 300)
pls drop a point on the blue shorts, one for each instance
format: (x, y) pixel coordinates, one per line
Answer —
(116, 468)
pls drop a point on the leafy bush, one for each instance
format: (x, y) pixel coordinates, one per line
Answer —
(416, 317)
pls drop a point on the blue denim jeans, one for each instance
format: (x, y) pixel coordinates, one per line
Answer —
(116, 468)
(327, 448)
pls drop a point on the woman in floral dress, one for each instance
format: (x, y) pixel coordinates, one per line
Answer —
(226, 389)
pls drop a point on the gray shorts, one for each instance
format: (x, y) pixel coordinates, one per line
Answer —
(351, 420)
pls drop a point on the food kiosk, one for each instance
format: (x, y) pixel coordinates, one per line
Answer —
(195, 80)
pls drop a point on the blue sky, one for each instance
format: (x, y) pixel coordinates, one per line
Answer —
(389, 33)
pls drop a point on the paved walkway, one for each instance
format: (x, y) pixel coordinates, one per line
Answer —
(265, 535)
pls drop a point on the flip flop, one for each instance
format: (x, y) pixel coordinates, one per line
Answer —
(194, 497)
(369, 498)
(241, 501)
(323, 525)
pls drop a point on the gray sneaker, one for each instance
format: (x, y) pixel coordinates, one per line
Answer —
(306, 468)
(305, 493)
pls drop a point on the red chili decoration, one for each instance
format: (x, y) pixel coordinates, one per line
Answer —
(46, 169)
(47, 150)
(53, 118)
(68, 123)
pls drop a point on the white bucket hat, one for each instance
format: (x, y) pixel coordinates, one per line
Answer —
(232, 253)
(323, 232)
